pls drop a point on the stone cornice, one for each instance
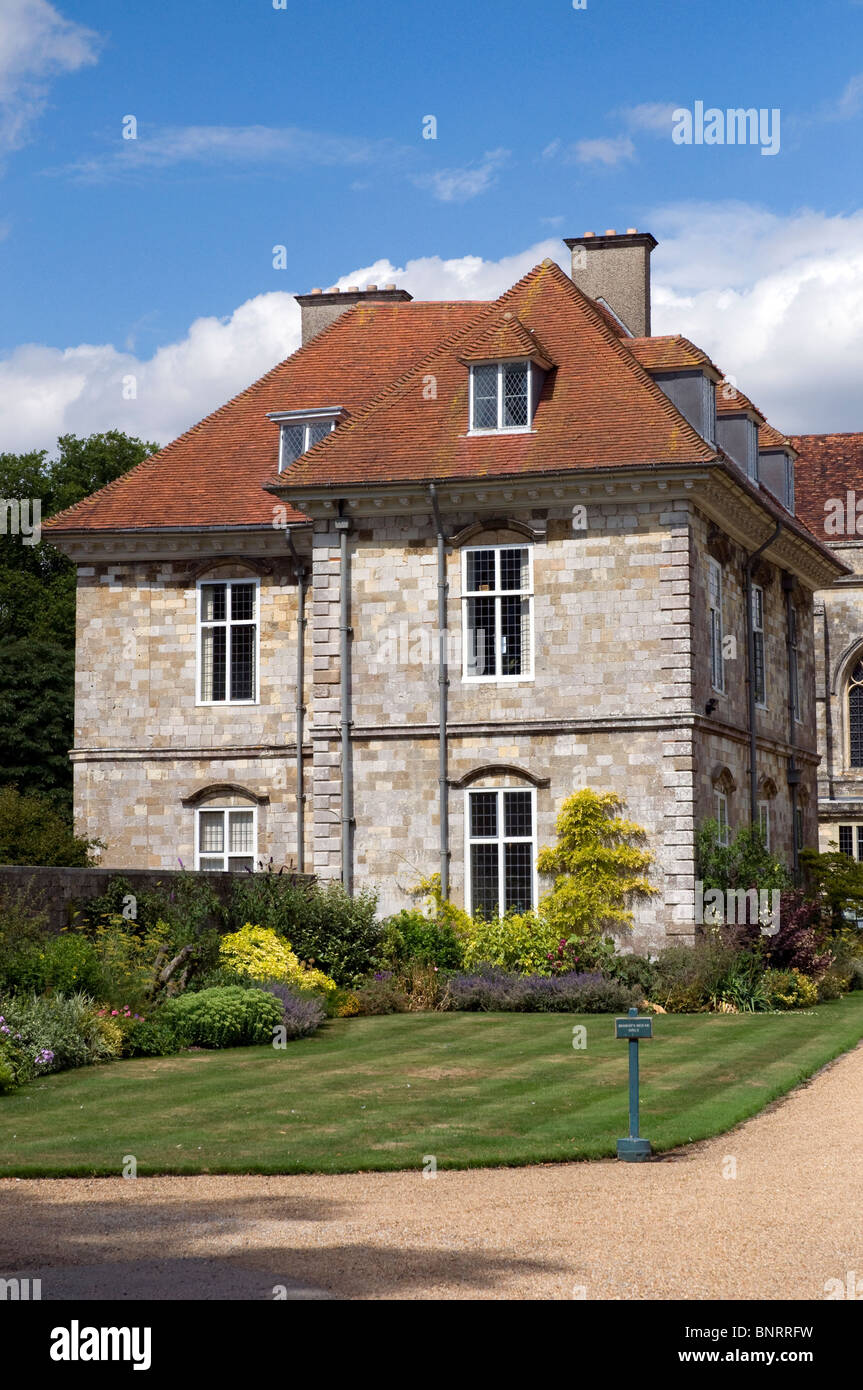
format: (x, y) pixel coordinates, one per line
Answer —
(223, 543)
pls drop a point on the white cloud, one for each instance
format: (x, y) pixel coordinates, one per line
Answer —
(851, 101)
(458, 185)
(36, 44)
(652, 116)
(165, 147)
(46, 391)
(776, 301)
(608, 150)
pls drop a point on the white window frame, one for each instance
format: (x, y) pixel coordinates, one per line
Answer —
(325, 415)
(764, 821)
(500, 840)
(497, 595)
(200, 624)
(720, 806)
(758, 631)
(225, 811)
(500, 428)
(714, 567)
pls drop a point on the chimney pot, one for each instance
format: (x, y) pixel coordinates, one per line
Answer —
(590, 234)
(316, 291)
(391, 286)
(632, 231)
(611, 232)
(369, 288)
(353, 289)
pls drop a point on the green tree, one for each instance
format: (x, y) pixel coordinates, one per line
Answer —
(745, 863)
(37, 609)
(33, 831)
(599, 863)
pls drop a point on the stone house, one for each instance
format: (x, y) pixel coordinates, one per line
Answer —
(382, 612)
(830, 490)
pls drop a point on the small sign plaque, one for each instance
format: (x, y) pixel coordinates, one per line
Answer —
(633, 1027)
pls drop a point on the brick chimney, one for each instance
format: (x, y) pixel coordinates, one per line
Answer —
(615, 267)
(320, 308)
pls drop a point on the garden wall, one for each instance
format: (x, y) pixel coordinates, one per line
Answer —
(57, 890)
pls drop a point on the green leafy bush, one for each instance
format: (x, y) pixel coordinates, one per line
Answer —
(155, 1037)
(326, 927)
(70, 962)
(224, 1017)
(744, 863)
(64, 1026)
(790, 989)
(411, 935)
(34, 831)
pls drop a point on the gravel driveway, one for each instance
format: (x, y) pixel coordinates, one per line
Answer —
(681, 1227)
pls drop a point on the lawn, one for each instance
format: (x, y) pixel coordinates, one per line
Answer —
(375, 1093)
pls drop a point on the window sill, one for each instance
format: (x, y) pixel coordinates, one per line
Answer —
(498, 680)
(223, 704)
(494, 434)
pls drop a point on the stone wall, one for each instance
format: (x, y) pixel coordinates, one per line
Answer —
(57, 891)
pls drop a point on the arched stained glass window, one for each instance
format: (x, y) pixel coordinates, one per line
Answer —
(855, 716)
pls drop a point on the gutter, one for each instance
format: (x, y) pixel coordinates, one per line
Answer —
(443, 692)
(343, 526)
(750, 648)
(301, 572)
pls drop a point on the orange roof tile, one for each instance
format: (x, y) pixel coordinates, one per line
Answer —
(504, 339)
(213, 475)
(828, 467)
(599, 408)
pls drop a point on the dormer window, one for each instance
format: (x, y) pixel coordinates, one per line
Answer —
(507, 366)
(502, 395)
(302, 429)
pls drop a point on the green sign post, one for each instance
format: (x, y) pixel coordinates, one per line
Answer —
(633, 1149)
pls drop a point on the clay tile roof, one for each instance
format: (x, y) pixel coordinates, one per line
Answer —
(671, 353)
(213, 475)
(599, 408)
(769, 438)
(507, 337)
(828, 467)
(730, 400)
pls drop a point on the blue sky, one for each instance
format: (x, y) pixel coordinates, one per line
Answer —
(302, 126)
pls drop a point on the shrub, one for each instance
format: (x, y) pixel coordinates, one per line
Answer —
(70, 962)
(633, 970)
(128, 951)
(599, 865)
(688, 978)
(155, 1037)
(262, 955)
(302, 1015)
(789, 989)
(744, 863)
(423, 984)
(226, 1017)
(33, 831)
(801, 943)
(64, 1026)
(17, 1062)
(324, 924)
(382, 995)
(520, 942)
(411, 935)
(491, 989)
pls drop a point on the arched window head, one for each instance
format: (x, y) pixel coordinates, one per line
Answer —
(855, 715)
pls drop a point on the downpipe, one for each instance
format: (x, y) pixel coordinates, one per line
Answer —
(343, 526)
(301, 573)
(443, 694)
